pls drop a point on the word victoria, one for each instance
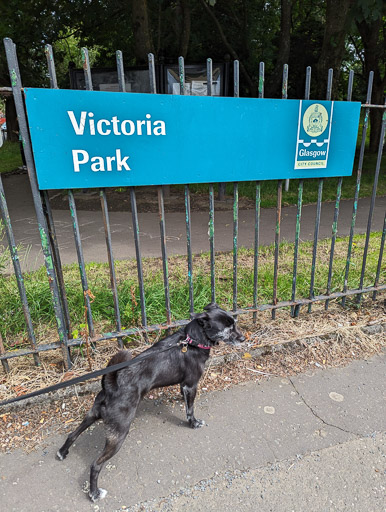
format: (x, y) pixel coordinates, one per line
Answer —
(87, 125)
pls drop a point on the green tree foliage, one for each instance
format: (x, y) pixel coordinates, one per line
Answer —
(317, 33)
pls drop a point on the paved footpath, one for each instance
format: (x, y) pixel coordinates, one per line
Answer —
(314, 442)
(93, 238)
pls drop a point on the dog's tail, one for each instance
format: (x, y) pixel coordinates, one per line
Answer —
(109, 381)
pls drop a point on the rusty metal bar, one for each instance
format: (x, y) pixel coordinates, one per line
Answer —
(189, 248)
(372, 203)
(277, 242)
(315, 245)
(235, 239)
(211, 243)
(181, 74)
(4, 362)
(153, 85)
(236, 79)
(82, 267)
(48, 212)
(381, 249)
(333, 239)
(357, 186)
(42, 224)
(18, 272)
(161, 210)
(120, 71)
(209, 77)
(110, 257)
(295, 312)
(256, 247)
(134, 215)
(86, 69)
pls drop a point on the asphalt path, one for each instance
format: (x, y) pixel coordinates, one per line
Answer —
(23, 218)
(315, 441)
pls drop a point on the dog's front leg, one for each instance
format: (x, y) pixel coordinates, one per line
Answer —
(189, 394)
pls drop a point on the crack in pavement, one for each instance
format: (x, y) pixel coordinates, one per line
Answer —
(317, 416)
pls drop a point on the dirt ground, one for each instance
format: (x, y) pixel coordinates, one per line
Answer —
(28, 427)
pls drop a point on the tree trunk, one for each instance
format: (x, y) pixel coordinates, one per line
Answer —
(274, 84)
(333, 46)
(374, 50)
(185, 27)
(142, 40)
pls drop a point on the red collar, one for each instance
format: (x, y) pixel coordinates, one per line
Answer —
(189, 341)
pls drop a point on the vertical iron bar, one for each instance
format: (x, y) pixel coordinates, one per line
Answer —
(211, 242)
(120, 71)
(235, 239)
(86, 69)
(261, 80)
(82, 267)
(350, 85)
(308, 83)
(315, 246)
(48, 212)
(376, 282)
(333, 239)
(56, 259)
(319, 203)
(153, 85)
(372, 204)
(294, 310)
(164, 254)
(209, 77)
(110, 256)
(189, 248)
(277, 241)
(4, 362)
(284, 95)
(42, 224)
(181, 74)
(256, 248)
(51, 66)
(358, 184)
(134, 214)
(236, 79)
(18, 273)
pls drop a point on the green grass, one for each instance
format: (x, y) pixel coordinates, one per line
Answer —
(310, 189)
(10, 157)
(12, 324)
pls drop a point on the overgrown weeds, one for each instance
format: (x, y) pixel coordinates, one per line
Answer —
(39, 296)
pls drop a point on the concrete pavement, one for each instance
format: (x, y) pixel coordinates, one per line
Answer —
(92, 232)
(315, 441)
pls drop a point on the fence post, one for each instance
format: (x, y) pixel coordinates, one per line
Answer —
(42, 224)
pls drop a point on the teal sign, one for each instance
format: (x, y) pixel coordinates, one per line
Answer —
(85, 139)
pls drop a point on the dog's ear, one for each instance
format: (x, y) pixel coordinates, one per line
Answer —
(202, 318)
(211, 306)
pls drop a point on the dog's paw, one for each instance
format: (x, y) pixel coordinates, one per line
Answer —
(197, 423)
(61, 456)
(99, 495)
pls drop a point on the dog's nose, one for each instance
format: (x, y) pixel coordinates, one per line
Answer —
(241, 338)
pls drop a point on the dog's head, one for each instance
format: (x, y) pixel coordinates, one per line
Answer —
(219, 325)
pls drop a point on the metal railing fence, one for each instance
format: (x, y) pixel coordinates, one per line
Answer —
(51, 251)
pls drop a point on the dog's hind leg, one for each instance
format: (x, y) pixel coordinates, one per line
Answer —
(92, 416)
(114, 440)
(189, 394)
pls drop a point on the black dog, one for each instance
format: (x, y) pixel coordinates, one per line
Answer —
(177, 359)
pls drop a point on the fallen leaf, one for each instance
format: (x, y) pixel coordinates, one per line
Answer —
(247, 355)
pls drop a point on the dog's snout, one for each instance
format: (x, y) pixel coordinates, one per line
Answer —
(241, 338)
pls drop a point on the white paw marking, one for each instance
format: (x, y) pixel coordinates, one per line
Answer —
(58, 454)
